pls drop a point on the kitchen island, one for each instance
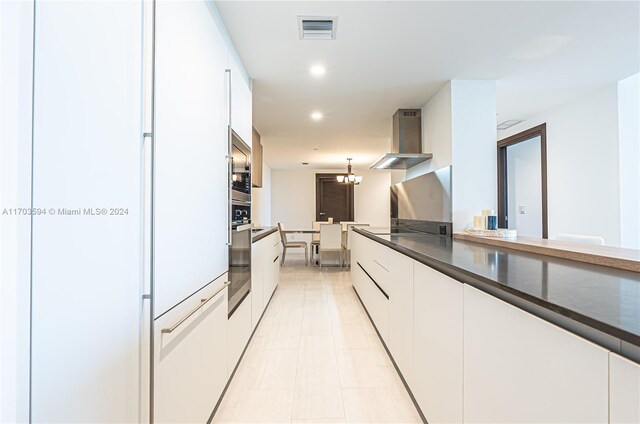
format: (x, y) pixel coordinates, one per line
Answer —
(469, 325)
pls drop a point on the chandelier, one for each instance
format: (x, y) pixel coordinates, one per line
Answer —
(349, 177)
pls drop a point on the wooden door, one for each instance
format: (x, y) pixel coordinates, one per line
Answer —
(333, 199)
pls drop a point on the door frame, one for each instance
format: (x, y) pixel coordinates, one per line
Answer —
(319, 178)
(503, 201)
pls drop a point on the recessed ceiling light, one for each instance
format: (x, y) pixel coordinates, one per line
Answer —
(318, 70)
(316, 116)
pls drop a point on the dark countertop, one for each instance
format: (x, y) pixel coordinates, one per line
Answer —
(264, 231)
(600, 297)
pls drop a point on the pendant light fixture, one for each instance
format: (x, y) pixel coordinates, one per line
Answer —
(349, 177)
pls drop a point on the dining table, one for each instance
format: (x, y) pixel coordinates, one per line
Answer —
(313, 232)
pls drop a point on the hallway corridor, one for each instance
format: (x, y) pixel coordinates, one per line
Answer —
(315, 357)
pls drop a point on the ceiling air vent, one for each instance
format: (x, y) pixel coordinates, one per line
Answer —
(510, 123)
(317, 27)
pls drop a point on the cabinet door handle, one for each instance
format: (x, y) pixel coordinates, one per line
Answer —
(194, 310)
(229, 162)
(276, 258)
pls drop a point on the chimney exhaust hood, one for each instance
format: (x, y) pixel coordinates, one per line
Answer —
(407, 142)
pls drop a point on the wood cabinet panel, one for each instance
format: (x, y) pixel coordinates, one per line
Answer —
(256, 160)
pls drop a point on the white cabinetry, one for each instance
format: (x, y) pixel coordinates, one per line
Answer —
(271, 266)
(265, 273)
(85, 281)
(258, 252)
(519, 368)
(369, 278)
(401, 304)
(241, 102)
(240, 330)
(624, 390)
(190, 153)
(438, 320)
(191, 360)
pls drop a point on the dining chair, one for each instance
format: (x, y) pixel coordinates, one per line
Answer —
(347, 244)
(330, 241)
(291, 244)
(315, 237)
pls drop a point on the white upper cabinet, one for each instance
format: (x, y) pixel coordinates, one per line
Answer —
(241, 102)
(190, 153)
(519, 368)
(438, 345)
(87, 141)
(624, 390)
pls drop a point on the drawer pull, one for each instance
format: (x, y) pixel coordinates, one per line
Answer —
(374, 281)
(194, 310)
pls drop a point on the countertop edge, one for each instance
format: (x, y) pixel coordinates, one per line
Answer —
(465, 276)
(262, 234)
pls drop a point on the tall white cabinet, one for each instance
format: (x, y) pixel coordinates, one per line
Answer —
(192, 114)
(87, 143)
(99, 353)
(241, 101)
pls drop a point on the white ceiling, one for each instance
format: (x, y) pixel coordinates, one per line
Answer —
(389, 55)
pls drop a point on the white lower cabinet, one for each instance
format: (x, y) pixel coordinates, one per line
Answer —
(401, 296)
(271, 260)
(624, 390)
(265, 274)
(257, 281)
(191, 361)
(519, 368)
(240, 330)
(438, 345)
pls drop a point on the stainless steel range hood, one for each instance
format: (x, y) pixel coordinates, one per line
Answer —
(407, 142)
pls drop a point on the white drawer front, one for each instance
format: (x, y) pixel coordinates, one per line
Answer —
(191, 361)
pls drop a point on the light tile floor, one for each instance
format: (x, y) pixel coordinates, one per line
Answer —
(315, 358)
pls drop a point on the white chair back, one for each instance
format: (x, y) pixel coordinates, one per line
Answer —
(350, 235)
(576, 238)
(330, 237)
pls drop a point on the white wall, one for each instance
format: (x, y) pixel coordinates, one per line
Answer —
(525, 187)
(261, 199)
(629, 156)
(293, 197)
(459, 129)
(473, 135)
(582, 165)
(436, 133)
(16, 48)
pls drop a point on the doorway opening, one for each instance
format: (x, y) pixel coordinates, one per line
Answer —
(333, 199)
(522, 182)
